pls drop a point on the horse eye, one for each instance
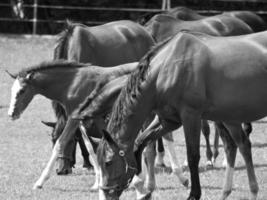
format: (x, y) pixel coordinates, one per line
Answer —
(108, 163)
(22, 91)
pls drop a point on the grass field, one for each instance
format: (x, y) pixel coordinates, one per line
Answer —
(25, 145)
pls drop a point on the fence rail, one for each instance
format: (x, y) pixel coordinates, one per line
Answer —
(34, 19)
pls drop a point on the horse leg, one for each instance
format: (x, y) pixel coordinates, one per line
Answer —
(192, 124)
(216, 144)
(85, 154)
(149, 158)
(175, 165)
(230, 149)
(244, 146)
(206, 132)
(65, 137)
(160, 154)
(66, 160)
(93, 157)
(139, 180)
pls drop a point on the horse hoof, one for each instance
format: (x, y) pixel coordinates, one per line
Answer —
(87, 164)
(36, 187)
(64, 171)
(186, 183)
(145, 197)
(193, 198)
(160, 165)
(209, 165)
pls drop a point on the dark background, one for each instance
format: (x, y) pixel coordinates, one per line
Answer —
(51, 20)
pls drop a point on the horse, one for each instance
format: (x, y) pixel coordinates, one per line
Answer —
(186, 78)
(67, 83)
(98, 45)
(253, 20)
(162, 26)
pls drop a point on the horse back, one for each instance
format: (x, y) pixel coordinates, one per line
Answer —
(110, 44)
(226, 25)
(253, 20)
(185, 14)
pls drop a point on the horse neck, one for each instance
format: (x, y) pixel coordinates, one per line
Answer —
(135, 111)
(54, 84)
(121, 70)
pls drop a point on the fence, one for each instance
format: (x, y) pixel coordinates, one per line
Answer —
(35, 19)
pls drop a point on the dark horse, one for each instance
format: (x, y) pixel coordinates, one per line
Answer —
(105, 45)
(184, 79)
(186, 14)
(253, 20)
(162, 26)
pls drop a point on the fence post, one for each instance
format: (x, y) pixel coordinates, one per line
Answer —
(166, 5)
(34, 22)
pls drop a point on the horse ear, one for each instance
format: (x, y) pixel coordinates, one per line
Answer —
(11, 75)
(108, 138)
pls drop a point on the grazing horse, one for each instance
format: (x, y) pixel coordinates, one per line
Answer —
(105, 45)
(253, 20)
(184, 79)
(68, 83)
(162, 26)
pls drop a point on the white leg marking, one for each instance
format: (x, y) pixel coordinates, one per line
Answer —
(49, 167)
(224, 163)
(138, 184)
(92, 158)
(177, 170)
(228, 182)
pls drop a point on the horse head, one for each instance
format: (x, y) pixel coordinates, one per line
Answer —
(21, 95)
(118, 166)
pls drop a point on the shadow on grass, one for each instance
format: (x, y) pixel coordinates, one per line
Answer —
(203, 169)
(3, 106)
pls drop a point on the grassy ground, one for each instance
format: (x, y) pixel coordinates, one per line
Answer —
(25, 145)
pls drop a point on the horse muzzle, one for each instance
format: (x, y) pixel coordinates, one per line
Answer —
(13, 116)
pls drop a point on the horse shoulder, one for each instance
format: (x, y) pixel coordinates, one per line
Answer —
(189, 56)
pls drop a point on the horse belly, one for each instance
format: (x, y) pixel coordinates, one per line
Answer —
(238, 102)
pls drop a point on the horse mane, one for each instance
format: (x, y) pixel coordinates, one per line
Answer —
(129, 92)
(51, 65)
(60, 50)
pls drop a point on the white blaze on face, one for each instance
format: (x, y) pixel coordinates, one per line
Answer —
(14, 93)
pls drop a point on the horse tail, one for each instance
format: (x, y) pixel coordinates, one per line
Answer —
(60, 50)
